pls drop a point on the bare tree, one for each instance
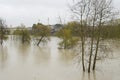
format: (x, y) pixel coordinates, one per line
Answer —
(101, 14)
(104, 14)
(93, 19)
(93, 14)
(81, 10)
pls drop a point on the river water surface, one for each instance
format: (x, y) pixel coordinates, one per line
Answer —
(47, 62)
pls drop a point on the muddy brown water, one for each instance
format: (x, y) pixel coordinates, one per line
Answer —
(47, 62)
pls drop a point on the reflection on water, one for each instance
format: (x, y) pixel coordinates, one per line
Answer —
(66, 56)
(23, 52)
(3, 57)
(30, 62)
(40, 55)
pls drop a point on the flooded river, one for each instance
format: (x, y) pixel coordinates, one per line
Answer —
(47, 62)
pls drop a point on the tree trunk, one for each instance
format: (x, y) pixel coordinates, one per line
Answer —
(83, 56)
(97, 45)
(39, 41)
(90, 58)
(23, 39)
(94, 62)
(91, 47)
(65, 44)
(83, 44)
(83, 41)
(92, 41)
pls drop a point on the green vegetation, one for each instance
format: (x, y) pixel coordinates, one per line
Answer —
(67, 34)
(2, 31)
(41, 32)
(111, 32)
(23, 34)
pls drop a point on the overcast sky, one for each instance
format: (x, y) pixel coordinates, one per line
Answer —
(28, 12)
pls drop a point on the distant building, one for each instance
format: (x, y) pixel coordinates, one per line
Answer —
(56, 28)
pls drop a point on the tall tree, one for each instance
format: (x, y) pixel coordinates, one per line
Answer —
(93, 17)
(93, 14)
(104, 14)
(81, 11)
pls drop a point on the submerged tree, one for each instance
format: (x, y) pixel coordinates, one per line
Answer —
(93, 14)
(66, 34)
(103, 13)
(2, 31)
(41, 32)
(81, 11)
(23, 34)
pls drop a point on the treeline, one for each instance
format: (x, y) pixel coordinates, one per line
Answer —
(71, 31)
(68, 32)
(111, 31)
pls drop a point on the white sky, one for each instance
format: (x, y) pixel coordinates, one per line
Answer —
(28, 12)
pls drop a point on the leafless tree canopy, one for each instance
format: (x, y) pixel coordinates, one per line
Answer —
(92, 14)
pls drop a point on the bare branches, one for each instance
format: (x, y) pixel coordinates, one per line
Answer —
(93, 14)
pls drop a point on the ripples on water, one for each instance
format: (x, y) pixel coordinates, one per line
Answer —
(47, 62)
